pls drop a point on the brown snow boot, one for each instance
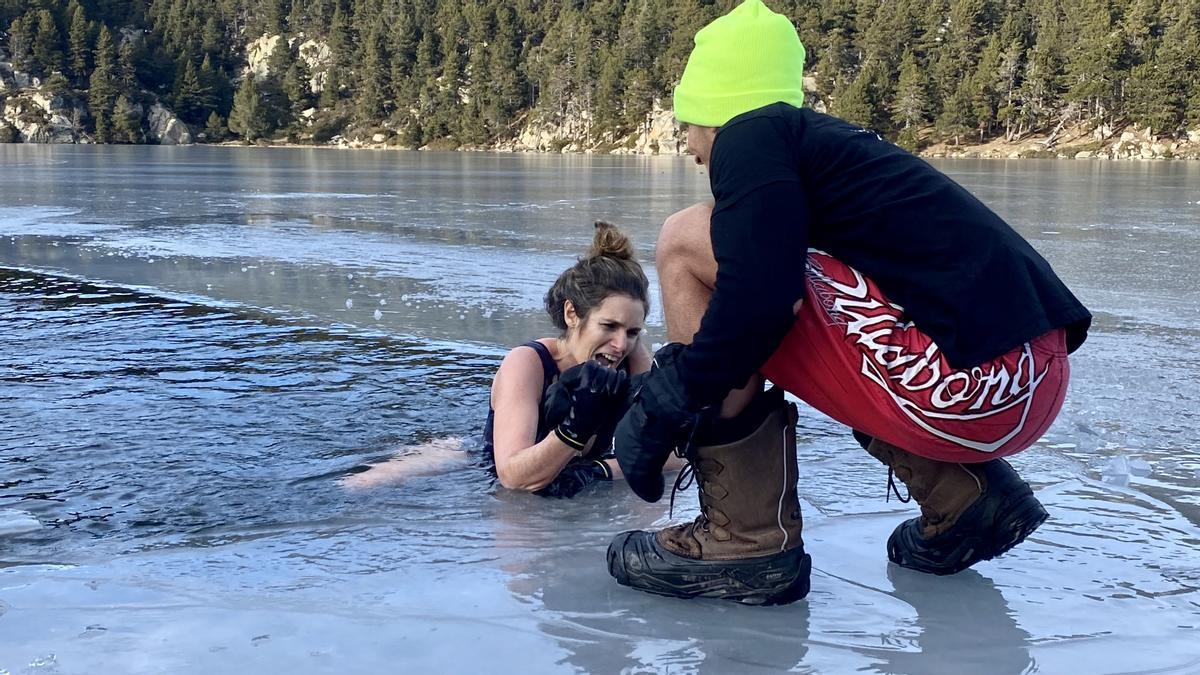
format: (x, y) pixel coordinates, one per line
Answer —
(969, 512)
(745, 545)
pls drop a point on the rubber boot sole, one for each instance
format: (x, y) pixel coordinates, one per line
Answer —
(636, 559)
(1001, 518)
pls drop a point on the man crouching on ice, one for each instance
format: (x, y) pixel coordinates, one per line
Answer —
(866, 283)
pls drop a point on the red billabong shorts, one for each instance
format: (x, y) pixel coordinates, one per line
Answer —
(853, 356)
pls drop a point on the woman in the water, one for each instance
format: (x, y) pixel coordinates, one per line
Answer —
(555, 400)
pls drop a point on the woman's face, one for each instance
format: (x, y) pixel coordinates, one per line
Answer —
(610, 332)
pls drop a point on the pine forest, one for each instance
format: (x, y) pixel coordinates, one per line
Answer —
(475, 73)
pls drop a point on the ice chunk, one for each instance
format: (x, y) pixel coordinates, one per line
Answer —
(1116, 471)
(378, 315)
(17, 522)
(1139, 467)
(349, 303)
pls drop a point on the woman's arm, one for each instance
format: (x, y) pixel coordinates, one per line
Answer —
(522, 463)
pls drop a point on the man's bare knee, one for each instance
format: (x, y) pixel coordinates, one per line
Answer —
(684, 238)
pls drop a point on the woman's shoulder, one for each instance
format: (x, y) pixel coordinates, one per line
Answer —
(533, 350)
(527, 359)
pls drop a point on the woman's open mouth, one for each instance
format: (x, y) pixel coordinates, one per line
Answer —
(608, 360)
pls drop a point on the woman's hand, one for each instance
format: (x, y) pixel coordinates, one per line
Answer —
(576, 476)
(595, 395)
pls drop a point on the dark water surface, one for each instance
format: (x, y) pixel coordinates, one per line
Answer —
(196, 344)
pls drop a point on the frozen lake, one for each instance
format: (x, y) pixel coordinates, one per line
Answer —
(197, 343)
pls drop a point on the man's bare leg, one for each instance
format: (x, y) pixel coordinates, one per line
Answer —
(687, 275)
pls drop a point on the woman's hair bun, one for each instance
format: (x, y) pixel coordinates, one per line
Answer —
(610, 241)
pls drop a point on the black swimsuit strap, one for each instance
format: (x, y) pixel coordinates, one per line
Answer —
(549, 367)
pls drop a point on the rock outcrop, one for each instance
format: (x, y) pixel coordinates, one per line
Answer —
(1082, 142)
(31, 113)
(658, 135)
(39, 117)
(315, 54)
(258, 53)
(165, 128)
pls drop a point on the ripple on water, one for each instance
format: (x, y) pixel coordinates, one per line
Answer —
(171, 418)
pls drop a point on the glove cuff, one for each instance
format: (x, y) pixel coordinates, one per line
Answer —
(569, 441)
(608, 475)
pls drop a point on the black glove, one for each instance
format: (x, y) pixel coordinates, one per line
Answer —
(596, 394)
(575, 476)
(660, 420)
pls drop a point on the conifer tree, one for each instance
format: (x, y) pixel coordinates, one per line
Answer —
(374, 74)
(958, 114)
(80, 45)
(215, 130)
(249, 116)
(190, 97)
(127, 67)
(214, 86)
(297, 87)
(853, 103)
(212, 42)
(503, 71)
(126, 122)
(911, 103)
(404, 38)
(340, 41)
(20, 44)
(425, 81)
(986, 88)
(1091, 55)
(1041, 86)
(103, 86)
(277, 105)
(47, 45)
(331, 86)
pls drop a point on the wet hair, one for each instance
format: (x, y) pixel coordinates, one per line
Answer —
(608, 268)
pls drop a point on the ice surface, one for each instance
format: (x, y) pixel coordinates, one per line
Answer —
(175, 441)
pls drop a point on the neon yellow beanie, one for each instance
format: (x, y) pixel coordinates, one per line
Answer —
(749, 58)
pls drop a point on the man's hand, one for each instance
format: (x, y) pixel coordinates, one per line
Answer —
(659, 421)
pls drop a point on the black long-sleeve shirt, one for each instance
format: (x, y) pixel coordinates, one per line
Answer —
(787, 179)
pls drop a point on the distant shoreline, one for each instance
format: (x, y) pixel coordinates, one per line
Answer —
(938, 152)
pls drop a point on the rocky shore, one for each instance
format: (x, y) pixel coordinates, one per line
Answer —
(29, 113)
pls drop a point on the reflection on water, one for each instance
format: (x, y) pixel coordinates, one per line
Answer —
(197, 344)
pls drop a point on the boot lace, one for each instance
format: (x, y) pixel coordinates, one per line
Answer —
(687, 476)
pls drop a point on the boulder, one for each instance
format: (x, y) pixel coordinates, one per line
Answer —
(165, 128)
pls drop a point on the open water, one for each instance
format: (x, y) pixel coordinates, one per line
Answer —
(197, 344)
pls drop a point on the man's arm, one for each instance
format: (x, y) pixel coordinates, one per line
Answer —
(760, 240)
